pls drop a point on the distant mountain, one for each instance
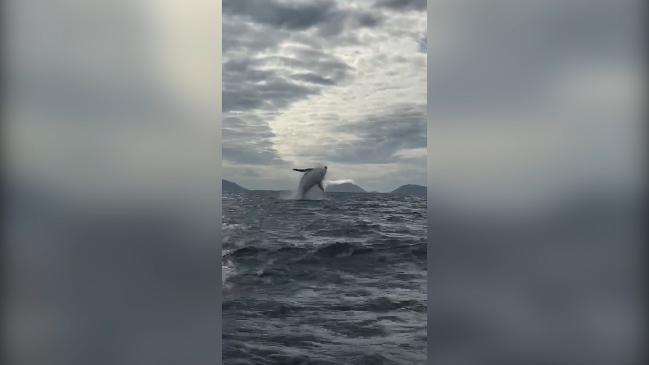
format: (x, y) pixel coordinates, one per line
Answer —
(345, 188)
(230, 187)
(411, 189)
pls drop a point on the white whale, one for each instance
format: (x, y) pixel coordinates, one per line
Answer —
(312, 177)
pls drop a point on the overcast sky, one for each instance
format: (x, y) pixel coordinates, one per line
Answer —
(520, 93)
(532, 99)
(114, 97)
(335, 82)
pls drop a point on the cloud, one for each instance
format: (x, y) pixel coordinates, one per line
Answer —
(248, 142)
(483, 57)
(269, 83)
(506, 113)
(247, 88)
(313, 79)
(402, 4)
(250, 38)
(307, 82)
(255, 88)
(299, 16)
(266, 70)
(411, 153)
(377, 138)
(107, 108)
(281, 15)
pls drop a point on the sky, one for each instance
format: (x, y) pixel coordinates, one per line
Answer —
(114, 98)
(336, 82)
(534, 101)
(521, 97)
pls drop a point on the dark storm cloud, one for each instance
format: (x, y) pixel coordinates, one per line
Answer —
(250, 38)
(313, 78)
(383, 135)
(268, 83)
(297, 16)
(248, 141)
(317, 62)
(402, 4)
(368, 19)
(260, 89)
(255, 84)
(282, 15)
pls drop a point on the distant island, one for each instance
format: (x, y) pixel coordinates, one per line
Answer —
(411, 189)
(230, 187)
(408, 189)
(344, 188)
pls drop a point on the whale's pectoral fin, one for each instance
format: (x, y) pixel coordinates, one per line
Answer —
(320, 186)
(302, 170)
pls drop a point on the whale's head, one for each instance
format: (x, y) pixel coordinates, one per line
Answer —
(320, 170)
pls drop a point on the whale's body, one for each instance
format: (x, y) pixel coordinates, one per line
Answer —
(311, 178)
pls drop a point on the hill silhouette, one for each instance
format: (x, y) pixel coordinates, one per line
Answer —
(230, 187)
(410, 189)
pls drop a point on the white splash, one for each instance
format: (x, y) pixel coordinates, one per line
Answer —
(338, 182)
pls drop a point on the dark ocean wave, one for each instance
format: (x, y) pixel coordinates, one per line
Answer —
(336, 281)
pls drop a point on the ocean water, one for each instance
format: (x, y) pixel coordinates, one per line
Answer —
(340, 280)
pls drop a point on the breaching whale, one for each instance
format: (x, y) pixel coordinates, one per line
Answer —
(312, 177)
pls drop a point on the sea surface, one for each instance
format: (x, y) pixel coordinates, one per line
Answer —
(340, 280)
